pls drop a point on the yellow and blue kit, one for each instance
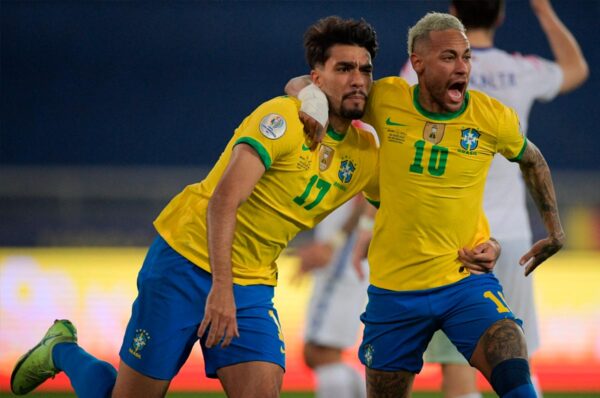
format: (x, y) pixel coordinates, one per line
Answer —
(299, 188)
(432, 179)
(432, 176)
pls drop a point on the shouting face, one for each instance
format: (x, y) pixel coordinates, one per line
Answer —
(443, 64)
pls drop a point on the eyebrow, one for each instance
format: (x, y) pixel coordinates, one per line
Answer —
(354, 64)
(346, 63)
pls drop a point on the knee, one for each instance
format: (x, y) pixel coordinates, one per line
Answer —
(504, 340)
(310, 355)
(315, 355)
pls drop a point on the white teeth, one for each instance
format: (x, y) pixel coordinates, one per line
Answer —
(455, 94)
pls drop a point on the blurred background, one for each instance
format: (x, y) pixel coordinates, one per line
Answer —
(110, 108)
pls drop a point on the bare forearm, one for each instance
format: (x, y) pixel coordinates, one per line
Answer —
(565, 48)
(536, 174)
(221, 220)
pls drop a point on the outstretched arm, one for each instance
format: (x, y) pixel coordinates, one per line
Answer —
(244, 170)
(536, 174)
(565, 48)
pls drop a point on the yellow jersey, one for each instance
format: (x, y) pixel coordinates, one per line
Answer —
(432, 177)
(298, 189)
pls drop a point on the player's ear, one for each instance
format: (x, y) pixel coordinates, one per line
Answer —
(315, 76)
(416, 62)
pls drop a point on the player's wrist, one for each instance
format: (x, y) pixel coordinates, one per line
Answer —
(497, 246)
(314, 103)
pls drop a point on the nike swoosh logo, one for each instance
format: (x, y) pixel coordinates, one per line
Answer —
(281, 350)
(305, 148)
(389, 122)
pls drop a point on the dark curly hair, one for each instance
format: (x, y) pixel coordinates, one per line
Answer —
(327, 32)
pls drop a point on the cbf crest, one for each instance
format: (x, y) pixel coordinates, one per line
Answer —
(347, 168)
(368, 352)
(140, 340)
(469, 139)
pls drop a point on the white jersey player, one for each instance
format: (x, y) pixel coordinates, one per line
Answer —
(338, 298)
(517, 81)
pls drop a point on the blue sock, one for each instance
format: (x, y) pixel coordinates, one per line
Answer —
(89, 376)
(511, 379)
(525, 391)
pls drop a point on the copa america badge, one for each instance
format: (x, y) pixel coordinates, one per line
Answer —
(272, 126)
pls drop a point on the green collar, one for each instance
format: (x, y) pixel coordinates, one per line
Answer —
(335, 136)
(438, 116)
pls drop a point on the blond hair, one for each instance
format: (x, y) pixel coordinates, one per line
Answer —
(431, 22)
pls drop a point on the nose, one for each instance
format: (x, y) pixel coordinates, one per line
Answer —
(357, 79)
(462, 66)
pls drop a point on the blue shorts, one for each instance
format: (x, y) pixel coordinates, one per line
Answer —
(399, 325)
(169, 308)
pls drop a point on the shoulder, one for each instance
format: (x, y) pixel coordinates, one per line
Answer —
(279, 114)
(365, 139)
(480, 99)
(391, 82)
(531, 62)
(488, 107)
(284, 104)
(392, 85)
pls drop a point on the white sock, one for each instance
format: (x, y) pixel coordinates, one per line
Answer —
(339, 380)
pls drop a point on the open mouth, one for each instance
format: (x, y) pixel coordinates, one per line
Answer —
(456, 91)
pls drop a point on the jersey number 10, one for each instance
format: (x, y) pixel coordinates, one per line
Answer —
(437, 159)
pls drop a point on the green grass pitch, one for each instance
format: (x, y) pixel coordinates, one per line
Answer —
(309, 395)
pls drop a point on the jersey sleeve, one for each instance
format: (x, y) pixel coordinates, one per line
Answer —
(543, 78)
(511, 141)
(271, 129)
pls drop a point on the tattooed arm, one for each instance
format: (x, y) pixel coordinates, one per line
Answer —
(536, 174)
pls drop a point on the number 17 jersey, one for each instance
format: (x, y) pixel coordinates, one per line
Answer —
(432, 176)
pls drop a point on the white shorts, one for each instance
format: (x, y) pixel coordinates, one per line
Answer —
(518, 292)
(518, 289)
(337, 300)
(441, 350)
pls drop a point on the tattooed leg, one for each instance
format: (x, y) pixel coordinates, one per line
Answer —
(503, 340)
(383, 384)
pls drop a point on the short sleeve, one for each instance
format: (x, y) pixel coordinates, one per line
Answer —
(540, 76)
(273, 129)
(511, 141)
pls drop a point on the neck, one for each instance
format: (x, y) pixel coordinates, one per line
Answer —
(481, 37)
(340, 125)
(426, 101)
